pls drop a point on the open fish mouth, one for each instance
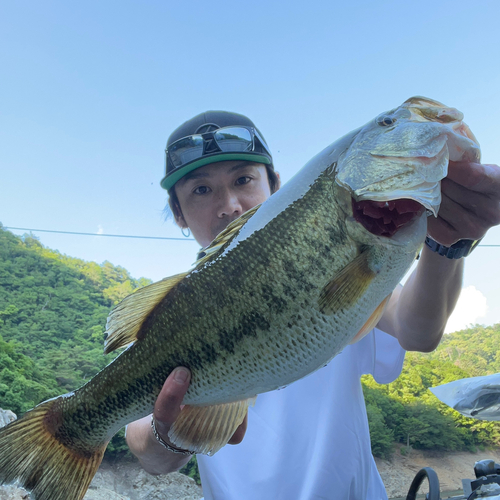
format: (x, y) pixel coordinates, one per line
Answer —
(386, 218)
(403, 155)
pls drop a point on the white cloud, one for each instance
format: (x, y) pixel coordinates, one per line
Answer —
(100, 230)
(471, 306)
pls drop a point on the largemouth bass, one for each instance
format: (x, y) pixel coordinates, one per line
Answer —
(279, 293)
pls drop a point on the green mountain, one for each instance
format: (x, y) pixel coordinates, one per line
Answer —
(407, 412)
(53, 311)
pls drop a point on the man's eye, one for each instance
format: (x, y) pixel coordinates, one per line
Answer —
(201, 190)
(243, 180)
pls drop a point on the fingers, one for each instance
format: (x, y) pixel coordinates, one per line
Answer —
(484, 179)
(168, 403)
(470, 203)
(483, 208)
(239, 434)
(441, 231)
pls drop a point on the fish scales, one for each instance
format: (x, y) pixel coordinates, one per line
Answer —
(224, 350)
(242, 344)
(182, 346)
(281, 291)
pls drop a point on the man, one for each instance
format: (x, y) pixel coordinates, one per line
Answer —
(311, 440)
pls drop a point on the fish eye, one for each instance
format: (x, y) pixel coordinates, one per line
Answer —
(385, 121)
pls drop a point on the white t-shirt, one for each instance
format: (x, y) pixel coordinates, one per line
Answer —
(309, 441)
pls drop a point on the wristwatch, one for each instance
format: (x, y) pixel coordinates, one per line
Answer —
(460, 249)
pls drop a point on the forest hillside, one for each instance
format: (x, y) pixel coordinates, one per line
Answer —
(406, 412)
(53, 311)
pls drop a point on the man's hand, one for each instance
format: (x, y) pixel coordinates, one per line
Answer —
(470, 205)
(155, 458)
(168, 405)
(417, 313)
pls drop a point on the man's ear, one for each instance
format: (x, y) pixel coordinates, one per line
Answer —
(278, 184)
(176, 211)
(179, 220)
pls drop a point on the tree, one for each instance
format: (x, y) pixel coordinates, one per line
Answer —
(381, 436)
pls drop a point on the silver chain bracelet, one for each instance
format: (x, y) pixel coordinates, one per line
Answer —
(169, 447)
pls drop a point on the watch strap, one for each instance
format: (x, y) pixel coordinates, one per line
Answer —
(460, 249)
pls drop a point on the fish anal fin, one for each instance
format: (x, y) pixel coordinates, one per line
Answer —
(346, 288)
(126, 319)
(32, 454)
(206, 429)
(372, 321)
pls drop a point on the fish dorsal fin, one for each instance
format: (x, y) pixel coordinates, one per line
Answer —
(224, 238)
(372, 321)
(126, 319)
(347, 286)
(206, 429)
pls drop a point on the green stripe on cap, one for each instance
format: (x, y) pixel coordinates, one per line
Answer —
(169, 180)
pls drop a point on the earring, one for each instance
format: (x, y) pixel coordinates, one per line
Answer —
(188, 232)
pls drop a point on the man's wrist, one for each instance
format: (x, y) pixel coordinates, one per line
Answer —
(154, 458)
(458, 250)
(167, 446)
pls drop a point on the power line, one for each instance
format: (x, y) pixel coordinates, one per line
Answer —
(97, 234)
(130, 236)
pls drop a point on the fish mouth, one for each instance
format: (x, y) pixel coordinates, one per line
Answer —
(424, 190)
(386, 218)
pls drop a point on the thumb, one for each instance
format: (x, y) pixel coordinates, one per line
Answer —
(168, 403)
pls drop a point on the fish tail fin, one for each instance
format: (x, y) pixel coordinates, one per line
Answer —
(32, 452)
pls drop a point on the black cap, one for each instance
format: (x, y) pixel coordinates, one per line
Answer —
(208, 122)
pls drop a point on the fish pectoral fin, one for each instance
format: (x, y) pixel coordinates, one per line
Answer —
(206, 429)
(372, 321)
(347, 287)
(126, 319)
(224, 237)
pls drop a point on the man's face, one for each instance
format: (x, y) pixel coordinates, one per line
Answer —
(212, 196)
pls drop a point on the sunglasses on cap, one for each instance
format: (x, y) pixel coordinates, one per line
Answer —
(224, 140)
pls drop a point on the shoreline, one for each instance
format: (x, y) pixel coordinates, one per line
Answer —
(450, 466)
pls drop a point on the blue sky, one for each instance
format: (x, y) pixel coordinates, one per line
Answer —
(91, 91)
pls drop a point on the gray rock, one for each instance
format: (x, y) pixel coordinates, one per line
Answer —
(130, 481)
(121, 481)
(6, 417)
(172, 486)
(103, 494)
(13, 493)
(10, 492)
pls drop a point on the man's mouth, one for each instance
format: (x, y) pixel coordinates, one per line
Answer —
(385, 218)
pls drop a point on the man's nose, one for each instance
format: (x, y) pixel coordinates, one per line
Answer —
(229, 205)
